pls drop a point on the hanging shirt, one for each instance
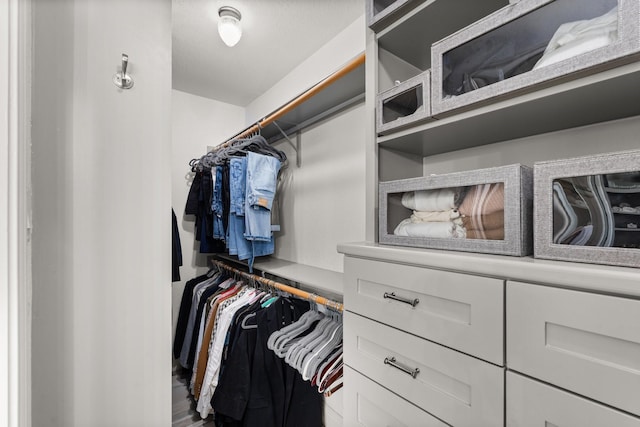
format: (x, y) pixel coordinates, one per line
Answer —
(225, 315)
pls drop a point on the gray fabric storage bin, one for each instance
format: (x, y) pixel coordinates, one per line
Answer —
(407, 103)
(495, 57)
(490, 211)
(587, 209)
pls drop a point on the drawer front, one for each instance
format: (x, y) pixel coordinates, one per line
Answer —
(460, 311)
(586, 343)
(370, 405)
(458, 389)
(333, 409)
(331, 418)
(533, 404)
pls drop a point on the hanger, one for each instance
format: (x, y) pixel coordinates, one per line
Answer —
(327, 370)
(279, 339)
(284, 342)
(315, 348)
(301, 347)
(312, 362)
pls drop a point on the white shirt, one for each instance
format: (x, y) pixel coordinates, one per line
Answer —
(212, 371)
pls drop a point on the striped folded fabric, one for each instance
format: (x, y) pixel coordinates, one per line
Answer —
(483, 212)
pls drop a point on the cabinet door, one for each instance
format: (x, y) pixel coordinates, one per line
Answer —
(586, 343)
(461, 311)
(368, 404)
(459, 389)
(533, 404)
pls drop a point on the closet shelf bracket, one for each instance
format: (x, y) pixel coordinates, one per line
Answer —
(295, 146)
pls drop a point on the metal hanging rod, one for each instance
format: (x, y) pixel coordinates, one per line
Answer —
(337, 306)
(318, 87)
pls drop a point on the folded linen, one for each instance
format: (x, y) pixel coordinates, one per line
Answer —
(575, 38)
(430, 200)
(483, 199)
(429, 229)
(435, 216)
(486, 222)
(491, 234)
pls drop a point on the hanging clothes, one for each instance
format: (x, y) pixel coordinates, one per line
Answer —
(176, 249)
(183, 313)
(235, 374)
(257, 388)
(234, 200)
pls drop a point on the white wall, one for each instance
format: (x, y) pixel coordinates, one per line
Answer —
(197, 123)
(102, 194)
(323, 201)
(52, 133)
(5, 281)
(587, 140)
(345, 46)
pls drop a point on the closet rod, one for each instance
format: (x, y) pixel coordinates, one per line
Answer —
(328, 81)
(338, 306)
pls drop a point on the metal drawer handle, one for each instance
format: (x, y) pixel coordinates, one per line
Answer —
(392, 361)
(392, 295)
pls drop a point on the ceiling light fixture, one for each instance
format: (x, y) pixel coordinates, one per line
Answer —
(229, 25)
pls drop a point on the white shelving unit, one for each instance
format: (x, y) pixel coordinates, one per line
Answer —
(590, 307)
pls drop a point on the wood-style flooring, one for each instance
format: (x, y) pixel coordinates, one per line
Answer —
(184, 407)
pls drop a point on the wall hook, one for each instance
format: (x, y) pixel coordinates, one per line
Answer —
(122, 79)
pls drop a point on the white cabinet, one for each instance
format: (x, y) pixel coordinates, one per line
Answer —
(368, 404)
(571, 357)
(583, 342)
(443, 317)
(532, 404)
(457, 388)
(460, 311)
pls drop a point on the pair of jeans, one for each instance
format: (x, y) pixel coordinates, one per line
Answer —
(262, 178)
(237, 244)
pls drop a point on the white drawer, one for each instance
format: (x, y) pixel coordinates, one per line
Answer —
(460, 311)
(370, 405)
(331, 418)
(333, 409)
(533, 404)
(458, 389)
(586, 343)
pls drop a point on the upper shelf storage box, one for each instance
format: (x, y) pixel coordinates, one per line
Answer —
(486, 210)
(530, 44)
(587, 209)
(407, 103)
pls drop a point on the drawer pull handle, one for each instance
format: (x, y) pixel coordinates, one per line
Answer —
(393, 296)
(392, 361)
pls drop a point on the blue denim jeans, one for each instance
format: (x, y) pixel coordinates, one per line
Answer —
(262, 177)
(237, 244)
(216, 206)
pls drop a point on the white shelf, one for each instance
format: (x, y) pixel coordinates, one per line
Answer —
(588, 277)
(608, 95)
(411, 36)
(323, 282)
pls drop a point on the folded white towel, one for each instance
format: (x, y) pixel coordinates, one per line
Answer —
(429, 200)
(575, 38)
(429, 229)
(435, 216)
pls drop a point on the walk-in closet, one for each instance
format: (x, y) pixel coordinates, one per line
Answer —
(384, 213)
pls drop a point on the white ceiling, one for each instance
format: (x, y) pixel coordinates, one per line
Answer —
(277, 35)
